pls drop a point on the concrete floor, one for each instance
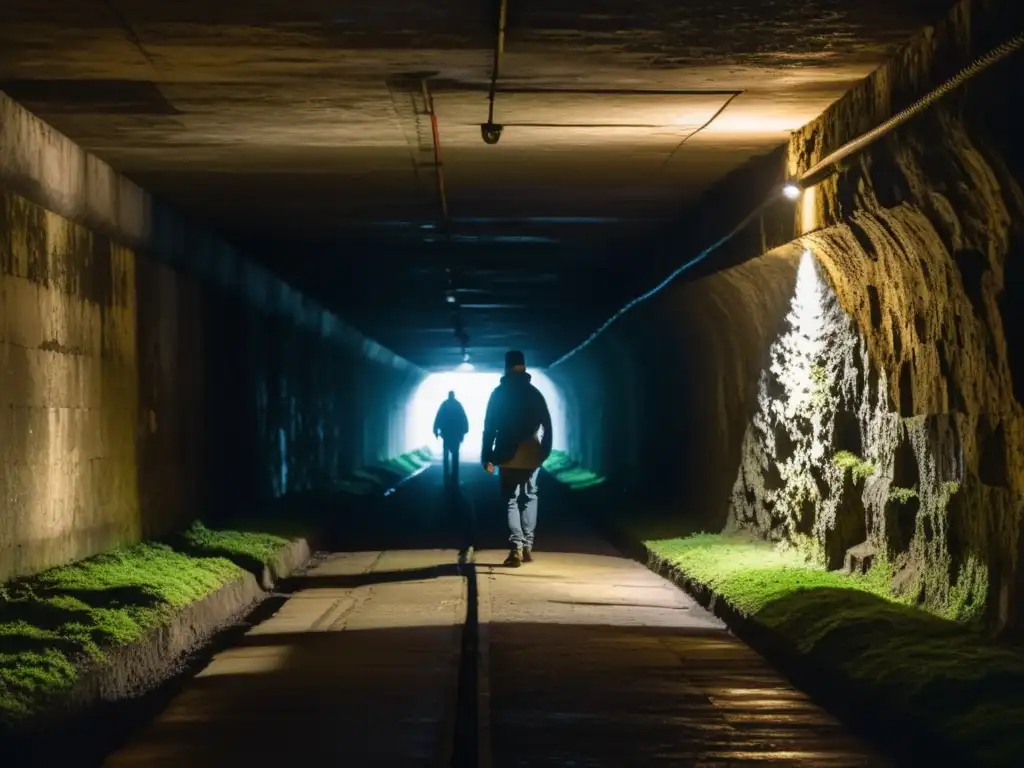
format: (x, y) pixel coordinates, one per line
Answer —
(584, 658)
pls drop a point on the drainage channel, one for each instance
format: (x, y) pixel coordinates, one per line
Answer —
(466, 748)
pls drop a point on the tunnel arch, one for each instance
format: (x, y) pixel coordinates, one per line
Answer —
(472, 389)
(662, 414)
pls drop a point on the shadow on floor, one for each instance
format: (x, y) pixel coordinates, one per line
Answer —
(351, 581)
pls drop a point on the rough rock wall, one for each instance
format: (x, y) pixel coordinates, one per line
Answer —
(869, 412)
(889, 422)
(138, 390)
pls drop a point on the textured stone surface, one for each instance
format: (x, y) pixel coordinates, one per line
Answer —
(915, 363)
(918, 236)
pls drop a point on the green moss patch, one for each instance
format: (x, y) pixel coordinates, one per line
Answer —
(237, 546)
(376, 477)
(53, 621)
(859, 468)
(936, 673)
(406, 463)
(567, 471)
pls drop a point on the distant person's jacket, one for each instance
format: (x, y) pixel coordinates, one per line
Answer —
(517, 427)
(451, 421)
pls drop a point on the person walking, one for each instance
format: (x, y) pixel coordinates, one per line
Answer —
(451, 425)
(517, 439)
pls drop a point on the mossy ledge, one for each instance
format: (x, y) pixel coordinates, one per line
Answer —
(115, 625)
(901, 675)
(81, 637)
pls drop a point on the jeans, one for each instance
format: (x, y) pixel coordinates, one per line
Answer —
(451, 471)
(519, 492)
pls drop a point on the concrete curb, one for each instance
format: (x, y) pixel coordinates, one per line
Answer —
(414, 474)
(288, 559)
(868, 714)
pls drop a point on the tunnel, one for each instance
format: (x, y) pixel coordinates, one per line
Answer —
(762, 262)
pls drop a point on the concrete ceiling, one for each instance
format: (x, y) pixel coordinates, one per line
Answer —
(301, 130)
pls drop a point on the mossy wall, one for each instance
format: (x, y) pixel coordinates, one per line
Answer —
(863, 403)
(920, 238)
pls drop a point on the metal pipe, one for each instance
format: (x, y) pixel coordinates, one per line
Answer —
(429, 100)
(458, 326)
(499, 51)
(817, 172)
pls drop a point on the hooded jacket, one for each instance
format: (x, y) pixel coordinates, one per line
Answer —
(516, 413)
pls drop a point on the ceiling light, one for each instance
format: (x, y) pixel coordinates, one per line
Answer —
(465, 367)
(792, 191)
(450, 298)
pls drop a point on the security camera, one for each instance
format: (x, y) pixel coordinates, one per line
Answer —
(491, 132)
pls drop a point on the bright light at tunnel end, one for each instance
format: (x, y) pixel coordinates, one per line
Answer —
(472, 389)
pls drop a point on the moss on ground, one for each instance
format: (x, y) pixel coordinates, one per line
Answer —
(51, 622)
(406, 463)
(939, 673)
(365, 481)
(566, 470)
(238, 546)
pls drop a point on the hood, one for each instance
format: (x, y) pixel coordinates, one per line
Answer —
(516, 377)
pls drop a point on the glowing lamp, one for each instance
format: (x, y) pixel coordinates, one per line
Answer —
(792, 191)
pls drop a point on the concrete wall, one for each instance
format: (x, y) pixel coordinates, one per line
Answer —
(148, 372)
(917, 249)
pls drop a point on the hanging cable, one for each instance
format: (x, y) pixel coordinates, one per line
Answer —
(817, 173)
(660, 286)
(709, 121)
